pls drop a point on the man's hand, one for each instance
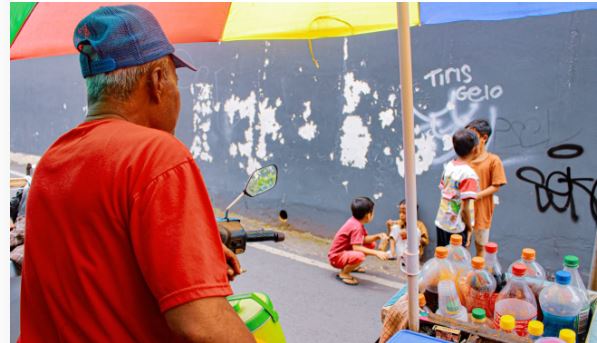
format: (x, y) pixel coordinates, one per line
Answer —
(233, 263)
(382, 255)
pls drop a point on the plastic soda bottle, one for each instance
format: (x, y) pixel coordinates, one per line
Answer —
(479, 317)
(568, 336)
(459, 255)
(535, 330)
(449, 302)
(492, 264)
(535, 273)
(434, 271)
(478, 286)
(516, 299)
(423, 309)
(571, 266)
(507, 323)
(561, 304)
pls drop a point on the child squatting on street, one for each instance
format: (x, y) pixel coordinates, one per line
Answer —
(459, 186)
(352, 242)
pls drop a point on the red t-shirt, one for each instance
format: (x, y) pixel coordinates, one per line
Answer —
(352, 232)
(120, 229)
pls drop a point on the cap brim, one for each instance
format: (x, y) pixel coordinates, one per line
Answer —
(180, 63)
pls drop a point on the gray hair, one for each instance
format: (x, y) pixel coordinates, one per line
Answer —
(119, 83)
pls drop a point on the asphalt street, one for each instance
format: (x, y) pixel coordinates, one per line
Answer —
(313, 305)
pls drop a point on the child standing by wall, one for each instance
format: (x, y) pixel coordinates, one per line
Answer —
(490, 170)
(459, 186)
(352, 242)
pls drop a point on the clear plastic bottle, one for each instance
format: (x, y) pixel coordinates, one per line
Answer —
(568, 336)
(535, 330)
(479, 317)
(459, 255)
(516, 299)
(507, 323)
(535, 273)
(571, 264)
(478, 286)
(492, 264)
(449, 302)
(423, 309)
(560, 304)
(434, 271)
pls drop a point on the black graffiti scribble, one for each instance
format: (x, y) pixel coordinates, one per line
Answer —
(559, 186)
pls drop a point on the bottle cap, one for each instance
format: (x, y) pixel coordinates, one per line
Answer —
(519, 269)
(535, 328)
(571, 261)
(478, 262)
(507, 322)
(478, 313)
(403, 234)
(441, 252)
(528, 254)
(568, 336)
(563, 277)
(422, 301)
(491, 247)
(456, 239)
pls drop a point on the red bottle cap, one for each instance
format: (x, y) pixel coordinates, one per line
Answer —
(491, 247)
(519, 269)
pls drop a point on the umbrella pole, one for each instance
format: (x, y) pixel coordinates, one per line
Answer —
(406, 81)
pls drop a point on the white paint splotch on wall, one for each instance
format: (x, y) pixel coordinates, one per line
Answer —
(354, 143)
(377, 196)
(203, 107)
(261, 118)
(353, 90)
(386, 117)
(424, 152)
(345, 49)
(309, 130)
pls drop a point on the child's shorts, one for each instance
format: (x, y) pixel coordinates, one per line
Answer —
(347, 257)
(481, 236)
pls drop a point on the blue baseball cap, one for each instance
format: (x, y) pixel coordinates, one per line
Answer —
(121, 36)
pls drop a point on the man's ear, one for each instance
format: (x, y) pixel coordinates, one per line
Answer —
(156, 83)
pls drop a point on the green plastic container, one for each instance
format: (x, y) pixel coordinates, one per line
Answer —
(257, 311)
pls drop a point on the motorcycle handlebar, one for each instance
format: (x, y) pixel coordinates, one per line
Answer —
(264, 235)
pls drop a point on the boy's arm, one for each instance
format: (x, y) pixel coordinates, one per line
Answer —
(372, 238)
(488, 191)
(466, 218)
(382, 255)
(498, 178)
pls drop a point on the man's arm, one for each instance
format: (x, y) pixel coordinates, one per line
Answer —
(201, 321)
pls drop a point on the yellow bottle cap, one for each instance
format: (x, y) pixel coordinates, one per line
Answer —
(507, 322)
(568, 336)
(535, 328)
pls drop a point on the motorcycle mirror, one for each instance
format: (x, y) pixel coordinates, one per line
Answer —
(262, 180)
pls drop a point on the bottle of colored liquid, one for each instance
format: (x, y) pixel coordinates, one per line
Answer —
(516, 299)
(535, 274)
(561, 304)
(535, 330)
(507, 323)
(478, 286)
(423, 309)
(568, 336)
(449, 302)
(492, 264)
(459, 255)
(479, 317)
(434, 271)
(571, 264)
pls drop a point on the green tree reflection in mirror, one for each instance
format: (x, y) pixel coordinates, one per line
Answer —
(262, 180)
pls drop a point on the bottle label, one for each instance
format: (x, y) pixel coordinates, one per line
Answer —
(582, 320)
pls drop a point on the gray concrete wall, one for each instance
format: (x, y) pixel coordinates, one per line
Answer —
(335, 132)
